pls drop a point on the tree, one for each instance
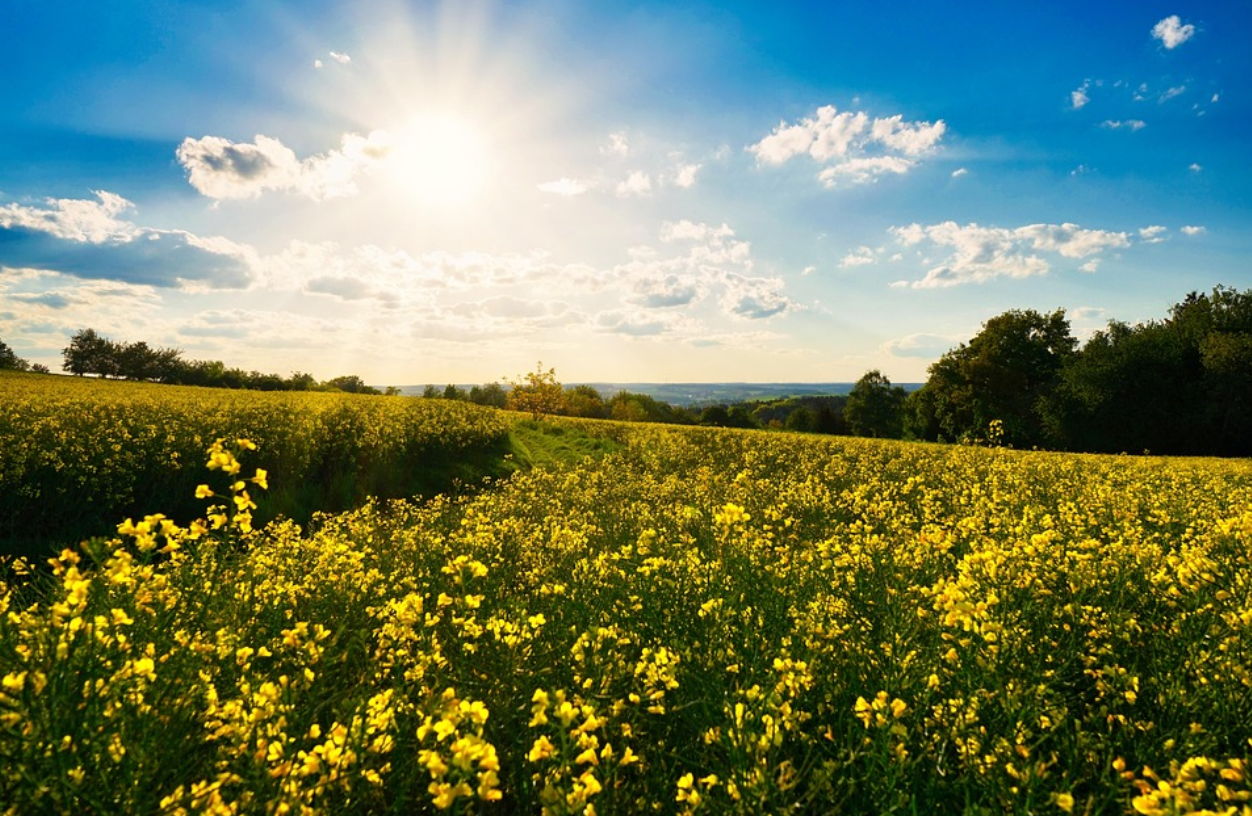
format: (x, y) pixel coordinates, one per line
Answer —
(492, 394)
(431, 392)
(9, 359)
(90, 353)
(801, 420)
(1003, 373)
(352, 384)
(585, 401)
(875, 407)
(451, 392)
(537, 393)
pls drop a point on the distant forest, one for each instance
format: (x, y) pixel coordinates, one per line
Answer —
(1179, 386)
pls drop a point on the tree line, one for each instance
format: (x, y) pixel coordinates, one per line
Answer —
(91, 353)
(1180, 386)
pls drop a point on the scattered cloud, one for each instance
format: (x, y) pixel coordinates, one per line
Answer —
(87, 239)
(1152, 235)
(340, 57)
(1079, 98)
(221, 169)
(1170, 93)
(861, 256)
(978, 254)
(618, 145)
(685, 176)
(1192, 230)
(637, 183)
(960, 171)
(1194, 167)
(855, 148)
(565, 187)
(1171, 31)
(1129, 124)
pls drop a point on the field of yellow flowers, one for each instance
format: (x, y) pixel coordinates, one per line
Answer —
(704, 621)
(79, 450)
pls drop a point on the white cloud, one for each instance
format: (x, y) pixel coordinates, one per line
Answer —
(978, 254)
(855, 148)
(1090, 266)
(1171, 32)
(565, 187)
(340, 57)
(1170, 93)
(1192, 230)
(1079, 97)
(317, 63)
(1195, 168)
(686, 175)
(960, 171)
(618, 145)
(637, 183)
(859, 171)
(1130, 124)
(861, 256)
(221, 169)
(685, 230)
(73, 219)
(1153, 234)
(808, 270)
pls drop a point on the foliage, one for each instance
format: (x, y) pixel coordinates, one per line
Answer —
(537, 393)
(706, 620)
(80, 453)
(9, 360)
(1002, 373)
(1182, 385)
(875, 407)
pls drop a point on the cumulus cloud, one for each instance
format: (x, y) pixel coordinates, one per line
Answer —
(977, 254)
(1195, 168)
(1170, 93)
(1171, 31)
(685, 176)
(565, 187)
(1152, 235)
(1129, 124)
(222, 169)
(637, 183)
(1192, 230)
(87, 239)
(340, 57)
(855, 148)
(960, 171)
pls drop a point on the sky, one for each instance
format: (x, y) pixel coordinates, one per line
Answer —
(432, 192)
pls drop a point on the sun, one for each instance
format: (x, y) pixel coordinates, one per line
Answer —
(439, 160)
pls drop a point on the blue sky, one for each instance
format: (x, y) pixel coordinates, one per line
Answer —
(449, 192)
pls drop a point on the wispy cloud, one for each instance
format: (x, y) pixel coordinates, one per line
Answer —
(1128, 124)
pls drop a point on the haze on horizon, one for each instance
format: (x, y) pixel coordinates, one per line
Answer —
(432, 192)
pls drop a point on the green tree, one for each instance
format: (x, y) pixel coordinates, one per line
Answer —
(352, 384)
(451, 392)
(1003, 373)
(492, 394)
(537, 393)
(90, 353)
(875, 407)
(9, 359)
(585, 401)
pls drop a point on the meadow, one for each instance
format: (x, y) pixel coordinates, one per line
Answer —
(663, 620)
(81, 450)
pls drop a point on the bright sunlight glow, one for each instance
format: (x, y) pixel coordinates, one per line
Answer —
(439, 160)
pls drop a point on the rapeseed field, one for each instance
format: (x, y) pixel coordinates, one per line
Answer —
(704, 621)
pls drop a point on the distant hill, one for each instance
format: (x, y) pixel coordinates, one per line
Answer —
(687, 394)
